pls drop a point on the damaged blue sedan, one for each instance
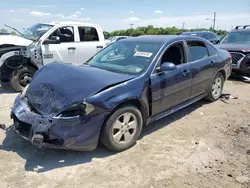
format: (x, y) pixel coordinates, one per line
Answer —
(127, 85)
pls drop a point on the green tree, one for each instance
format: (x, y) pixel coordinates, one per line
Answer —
(3, 30)
(13, 33)
(151, 30)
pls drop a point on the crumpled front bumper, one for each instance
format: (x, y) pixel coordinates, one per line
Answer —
(74, 133)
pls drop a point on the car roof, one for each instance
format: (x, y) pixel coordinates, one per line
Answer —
(58, 23)
(240, 30)
(193, 32)
(163, 38)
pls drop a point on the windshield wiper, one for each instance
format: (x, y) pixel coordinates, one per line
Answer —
(14, 29)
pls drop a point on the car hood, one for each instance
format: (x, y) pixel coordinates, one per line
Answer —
(234, 47)
(15, 40)
(58, 86)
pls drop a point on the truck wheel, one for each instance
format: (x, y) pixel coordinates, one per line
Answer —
(20, 78)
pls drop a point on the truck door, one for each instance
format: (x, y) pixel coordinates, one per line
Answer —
(89, 43)
(64, 51)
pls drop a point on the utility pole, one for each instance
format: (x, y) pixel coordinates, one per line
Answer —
(214, 20)
(183, 25)
(131, 25)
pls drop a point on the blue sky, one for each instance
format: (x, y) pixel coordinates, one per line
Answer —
(119, 14)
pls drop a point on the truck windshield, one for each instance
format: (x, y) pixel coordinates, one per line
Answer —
(126, 57)
(36, 31)
(237, 37)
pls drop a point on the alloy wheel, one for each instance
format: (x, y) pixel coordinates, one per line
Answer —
(217, 87)
(124, 128)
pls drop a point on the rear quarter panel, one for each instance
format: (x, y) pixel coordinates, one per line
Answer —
(225, 62)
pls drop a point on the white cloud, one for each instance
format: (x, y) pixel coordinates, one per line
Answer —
(45, 6)
(35, 13)
(223, 21)
(83, 8)
(11, 11)
(60, 15)
(158, 12)
(73, 16)
(78, 12)
(132, 19)
(131, 12)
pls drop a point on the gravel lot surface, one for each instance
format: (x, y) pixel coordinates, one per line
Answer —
(205, 145)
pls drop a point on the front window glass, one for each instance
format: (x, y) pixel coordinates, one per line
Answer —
(36, 31)
(237, 37)
(126, 57)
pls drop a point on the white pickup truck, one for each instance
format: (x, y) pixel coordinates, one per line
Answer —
(43, 43)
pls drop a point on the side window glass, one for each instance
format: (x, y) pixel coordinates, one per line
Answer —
(204, 35)
(88, 34)
(66, 34)
(212, 36)
(174, 54)
(198, 50)
(212, 50)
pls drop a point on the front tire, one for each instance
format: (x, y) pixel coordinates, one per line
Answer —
(216, 88)
(20, 78)
(122, 128)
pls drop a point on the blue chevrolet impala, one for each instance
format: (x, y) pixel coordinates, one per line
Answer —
(124, 87)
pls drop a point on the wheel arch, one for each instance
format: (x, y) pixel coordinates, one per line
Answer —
(223, 72)
(134, 102)
(6, 71)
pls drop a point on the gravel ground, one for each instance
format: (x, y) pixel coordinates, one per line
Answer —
(205, 145)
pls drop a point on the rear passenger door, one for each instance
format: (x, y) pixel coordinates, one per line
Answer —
(202, 67)
(89, 43)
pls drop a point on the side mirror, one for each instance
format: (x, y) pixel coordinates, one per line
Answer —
(167, 66)
(217, 42)
(52, 40)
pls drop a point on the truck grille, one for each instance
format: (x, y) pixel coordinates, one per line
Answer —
(236, 57)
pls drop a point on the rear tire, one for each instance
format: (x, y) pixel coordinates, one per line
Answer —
(20, 78)
(122, 128)
(216, 88)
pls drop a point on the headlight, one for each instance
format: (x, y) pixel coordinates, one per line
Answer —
(88, 108)
(23, 93)
(79, 110)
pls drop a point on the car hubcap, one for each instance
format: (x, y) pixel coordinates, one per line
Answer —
(216, 89)
(25, 79)
(124, 128)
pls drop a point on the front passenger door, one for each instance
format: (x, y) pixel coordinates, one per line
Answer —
(171, 88)
(65, 51)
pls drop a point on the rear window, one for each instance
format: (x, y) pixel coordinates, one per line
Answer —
(88, 34)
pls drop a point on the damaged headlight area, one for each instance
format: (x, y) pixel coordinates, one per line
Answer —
(78, 110)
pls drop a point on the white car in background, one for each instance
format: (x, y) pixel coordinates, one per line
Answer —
(115, 38)
(43, 43)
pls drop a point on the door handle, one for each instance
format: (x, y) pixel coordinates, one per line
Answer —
(99, 46)
(185, 73)
(71, 48)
